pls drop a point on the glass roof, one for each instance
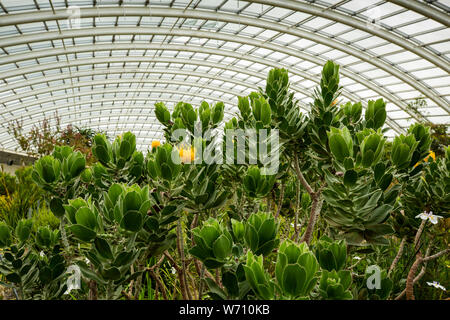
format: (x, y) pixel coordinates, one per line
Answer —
(104, 63)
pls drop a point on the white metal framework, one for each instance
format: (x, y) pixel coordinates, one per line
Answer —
(104, 63)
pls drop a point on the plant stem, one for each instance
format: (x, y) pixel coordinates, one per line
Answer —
(316, 205)
(410, 279)
(301, 178)
(63, 233)
(419, 233)
(297, 211)
(315, 211)
(419, 276)
(179, 272)
(109, 290)
(158, 281)
(280, 200)
(399, 254)
(180, 246)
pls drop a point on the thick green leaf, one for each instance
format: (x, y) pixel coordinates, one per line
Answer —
(132, 221)
(82, 233)
(103, 248)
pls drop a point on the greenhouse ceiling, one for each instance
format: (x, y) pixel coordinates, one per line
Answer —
(103, 64)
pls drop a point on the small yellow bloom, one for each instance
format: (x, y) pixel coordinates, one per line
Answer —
(431, 154)
(186, 155)
(334, 102)
(156, 144)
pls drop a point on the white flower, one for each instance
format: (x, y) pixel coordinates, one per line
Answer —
(42, 254)
(429, 216)
(436, 285)
(174, 270)
(293, 225)
(357, 258)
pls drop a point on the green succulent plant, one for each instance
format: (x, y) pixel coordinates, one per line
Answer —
(330, 254)
(202, 190)
(213, 244)
(19, 268)
(162, 113)
(119, 159)
(46, 238)
(259, 280)
(357, 211)
(261, 233)
(238, 228)
(352, 114)
(403, 149)
(165, 164)
(371, 147)
(277, 90)
(111, 265)
(102, 149)
(260, 109)
(324, 112)
(296, 269)
(59, 175)
(340, 143)
(72, 162)
(86, 175)
(127, 206)
(375, 114)
(84, 218)
(52, 276)
(47, 170)
(244, 108)
(5, 235)
(256, 184)
(334, 285)
(423, 137)
(23, 229)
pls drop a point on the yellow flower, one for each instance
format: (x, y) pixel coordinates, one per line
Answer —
(156, 144)
(334, 102)
(431, 154)
(187, 155)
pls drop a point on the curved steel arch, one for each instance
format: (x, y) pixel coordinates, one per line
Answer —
(225, 17)
(109, 71)
(373, 29)
(108, 91)
(250, 58)
(226, 37)
(225, 53)
(112, 107)
(77, 62)
(115, 81)
(424, 10)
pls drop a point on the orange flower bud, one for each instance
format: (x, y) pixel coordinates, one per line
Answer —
(156, 144)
